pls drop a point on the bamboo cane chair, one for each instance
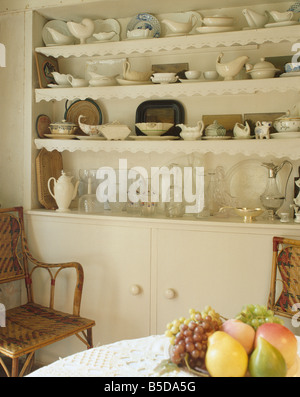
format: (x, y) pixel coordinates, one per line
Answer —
(31, 326)
(286, 265)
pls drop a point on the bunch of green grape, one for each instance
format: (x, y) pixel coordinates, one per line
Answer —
(256, 315)
(174, 327)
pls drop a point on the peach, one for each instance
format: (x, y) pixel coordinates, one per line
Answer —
(242, 332)
(280, 337)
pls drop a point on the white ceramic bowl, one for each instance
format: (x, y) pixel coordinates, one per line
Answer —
(154, 129)
(115, 131)
(218, 21)
(211, 75)
(103, 36)
(192, 74)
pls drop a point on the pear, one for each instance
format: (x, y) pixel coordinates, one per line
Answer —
(266, 361)
(225, 356)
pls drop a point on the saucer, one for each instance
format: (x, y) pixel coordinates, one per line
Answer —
(214, 29)
(92, 138)
(60, 136)
(190, 80)
(153, 138)
(282, 23)
(58, 86)
(290, 74)
(216, 137)
(285, 135)
(132, 82)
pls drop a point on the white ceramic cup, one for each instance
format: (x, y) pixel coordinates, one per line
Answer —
(192, 74)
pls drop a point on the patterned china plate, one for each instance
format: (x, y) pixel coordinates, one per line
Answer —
(145, 21)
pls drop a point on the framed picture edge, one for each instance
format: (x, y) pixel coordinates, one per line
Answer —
(40, 60)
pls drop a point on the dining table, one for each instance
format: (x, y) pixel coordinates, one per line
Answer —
(142, 357)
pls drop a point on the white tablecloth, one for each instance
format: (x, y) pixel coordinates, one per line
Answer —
(127, 358)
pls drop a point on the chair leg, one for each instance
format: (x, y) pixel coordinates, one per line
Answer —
(27, 366)
(90, 337)
(15, 367)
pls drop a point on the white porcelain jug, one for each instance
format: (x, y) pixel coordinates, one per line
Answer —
(254, 19)
(64, 191)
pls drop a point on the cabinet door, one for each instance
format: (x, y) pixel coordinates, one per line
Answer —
(199, 268)
(116, 262)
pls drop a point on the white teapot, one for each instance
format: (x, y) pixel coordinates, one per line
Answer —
(64, 191)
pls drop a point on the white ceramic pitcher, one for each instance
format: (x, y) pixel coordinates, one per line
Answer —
(64, 191)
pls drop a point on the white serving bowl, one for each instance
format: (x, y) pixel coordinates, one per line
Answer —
(287, 124)
(154, 129)
(262, 73)
(115, 131)
(218, 21)
(164, 78)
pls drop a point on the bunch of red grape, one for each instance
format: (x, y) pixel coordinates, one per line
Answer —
(191, 341)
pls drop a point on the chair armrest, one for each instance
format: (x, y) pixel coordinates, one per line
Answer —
(60, 266)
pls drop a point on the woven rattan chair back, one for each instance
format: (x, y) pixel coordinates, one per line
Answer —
(284, 298)
(12, 266)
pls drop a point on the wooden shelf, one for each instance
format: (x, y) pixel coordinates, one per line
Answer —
(167, 44)
(278, 148)
(202, 88)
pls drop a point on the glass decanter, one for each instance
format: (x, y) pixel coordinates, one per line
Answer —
(272, 198)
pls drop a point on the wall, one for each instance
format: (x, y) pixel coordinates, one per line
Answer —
(11, 110)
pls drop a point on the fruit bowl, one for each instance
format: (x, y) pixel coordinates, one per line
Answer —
(254, 343)
(248, 214)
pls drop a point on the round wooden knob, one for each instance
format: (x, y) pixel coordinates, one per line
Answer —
(135, 289)
(170, 293)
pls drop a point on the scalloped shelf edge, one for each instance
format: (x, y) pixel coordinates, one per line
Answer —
(202, 88)
(278, 148)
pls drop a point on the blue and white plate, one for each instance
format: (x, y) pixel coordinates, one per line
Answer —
(145, 21)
